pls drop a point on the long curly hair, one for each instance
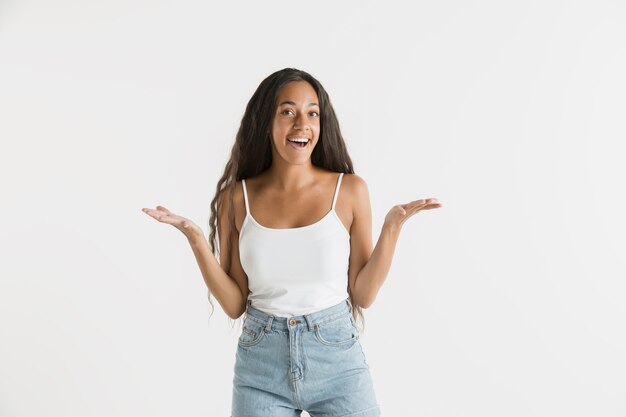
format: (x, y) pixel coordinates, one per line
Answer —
(252, 152)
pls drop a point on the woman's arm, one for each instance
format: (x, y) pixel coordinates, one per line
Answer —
(220, 284)
(371, 277)
(369, 268)
(226, 280)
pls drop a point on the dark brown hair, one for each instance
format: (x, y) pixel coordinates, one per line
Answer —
(252, 152)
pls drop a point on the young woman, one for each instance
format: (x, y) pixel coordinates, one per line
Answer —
(295, 254)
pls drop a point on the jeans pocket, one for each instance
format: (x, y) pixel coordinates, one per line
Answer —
(337, 332)
(252, 332)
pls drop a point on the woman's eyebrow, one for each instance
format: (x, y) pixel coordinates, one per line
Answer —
(293, 104)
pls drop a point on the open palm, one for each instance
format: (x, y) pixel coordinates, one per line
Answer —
(189, 228)
(402, 212)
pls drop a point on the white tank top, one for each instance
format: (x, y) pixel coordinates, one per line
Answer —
(298, 270)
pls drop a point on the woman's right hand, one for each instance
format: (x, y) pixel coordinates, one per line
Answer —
(189, 228)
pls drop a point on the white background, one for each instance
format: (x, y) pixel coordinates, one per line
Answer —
(507, 301)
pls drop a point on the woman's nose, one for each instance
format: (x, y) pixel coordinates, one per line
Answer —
(300, 121)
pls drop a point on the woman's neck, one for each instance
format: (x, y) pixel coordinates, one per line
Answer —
(289, 177)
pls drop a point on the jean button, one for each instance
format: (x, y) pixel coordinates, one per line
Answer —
(292, 322)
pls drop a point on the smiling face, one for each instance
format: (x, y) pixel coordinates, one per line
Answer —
(297, 116)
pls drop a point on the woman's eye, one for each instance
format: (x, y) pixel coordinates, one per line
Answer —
(313, 113)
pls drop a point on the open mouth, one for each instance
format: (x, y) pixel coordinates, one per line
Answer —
(299, 143)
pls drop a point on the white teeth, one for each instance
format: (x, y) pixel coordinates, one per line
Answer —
(298, 140)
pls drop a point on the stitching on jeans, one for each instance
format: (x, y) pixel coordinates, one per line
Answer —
(256, 320)
(320, 338)
(328, 319)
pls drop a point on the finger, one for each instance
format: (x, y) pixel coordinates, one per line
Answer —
(417, 207)
(405, 208)
(429, 206)
(152, 211)
(427, 201)
(161, 216)
(417, 204)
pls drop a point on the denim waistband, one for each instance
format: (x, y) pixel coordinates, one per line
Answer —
(284, 323)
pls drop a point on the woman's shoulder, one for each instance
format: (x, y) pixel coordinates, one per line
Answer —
(227, 189)
(354, 184)
(224, 205)
(353, 179)
(237, 197)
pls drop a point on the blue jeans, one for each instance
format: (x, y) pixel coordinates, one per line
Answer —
(312, 362)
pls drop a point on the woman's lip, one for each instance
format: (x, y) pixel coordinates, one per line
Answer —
(298, 148)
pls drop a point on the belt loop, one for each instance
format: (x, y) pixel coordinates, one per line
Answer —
(309, 322)
(349, 305)
(268, 325)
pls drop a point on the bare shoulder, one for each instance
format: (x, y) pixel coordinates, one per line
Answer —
(238, 202)
(354, 182)
(356, 189)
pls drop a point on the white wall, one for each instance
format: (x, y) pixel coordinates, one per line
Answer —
(507, 301)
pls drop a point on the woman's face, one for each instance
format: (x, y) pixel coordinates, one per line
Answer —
(297, 115)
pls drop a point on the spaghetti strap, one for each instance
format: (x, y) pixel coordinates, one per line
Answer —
(245, 196)
(337, 190)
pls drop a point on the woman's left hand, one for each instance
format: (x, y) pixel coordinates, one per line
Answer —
(401, 213)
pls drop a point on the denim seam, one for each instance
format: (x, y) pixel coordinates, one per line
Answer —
(256, 320)
(323, 341)
(331, 318)
(325, 320)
